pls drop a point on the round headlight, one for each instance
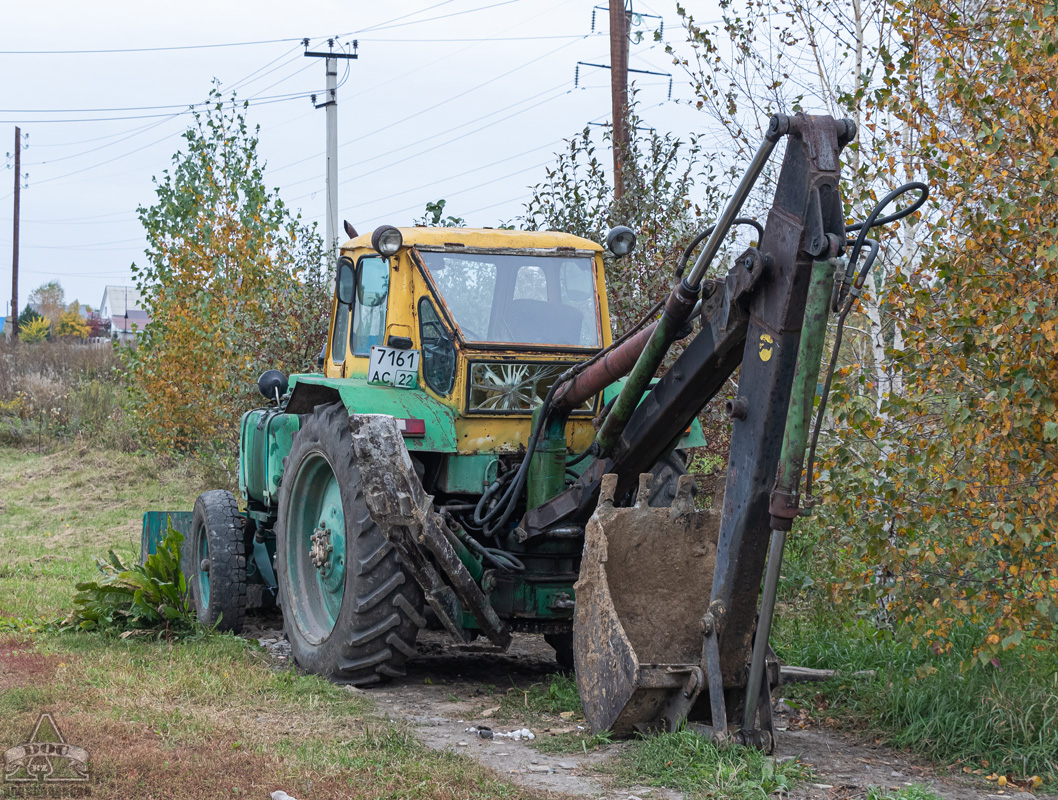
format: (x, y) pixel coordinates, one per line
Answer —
(386, 240)
(620, 241)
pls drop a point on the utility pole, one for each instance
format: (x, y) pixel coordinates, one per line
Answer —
(14, 238)
(331, 104)
(619, 25)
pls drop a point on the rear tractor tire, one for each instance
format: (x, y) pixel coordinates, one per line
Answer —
(213, 560)
(350, 611)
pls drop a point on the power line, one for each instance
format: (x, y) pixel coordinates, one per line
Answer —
(184, 106)
(479, 39)
(83, 246)
(405, 16)
(79, 219)
(142, 129)
(493, 79)
(144, 49)
(457, 138)
(170, 48)
(146, 127)
(245, 81)
(468, 189)
(260, 102)
(64, 222)
(433, 136)
(503, 160)
(486, 183)
(415, 114)
(384, 27)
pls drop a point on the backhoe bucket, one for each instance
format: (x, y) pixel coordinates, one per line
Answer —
(644, 586)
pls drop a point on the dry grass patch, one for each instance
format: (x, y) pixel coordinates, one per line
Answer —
(209, 718)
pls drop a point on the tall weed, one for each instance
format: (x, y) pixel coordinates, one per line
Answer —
(147, 598)
(52, 392)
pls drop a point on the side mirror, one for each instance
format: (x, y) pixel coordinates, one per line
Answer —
(374, 282)
(272, 384)
(321, 357)
(346, 281)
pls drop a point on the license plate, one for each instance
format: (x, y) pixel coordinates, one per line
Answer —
(389, 366)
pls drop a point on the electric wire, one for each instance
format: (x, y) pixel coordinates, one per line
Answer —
(471, 188)
(442, 16)
(491, 80)
(144, 49)
(477, 39)
(144, 128)
(433, 136)
(376, 86)
(405, 16)
(248, 79)
(506, 159)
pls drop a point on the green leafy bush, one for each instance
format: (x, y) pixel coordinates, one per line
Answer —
(151, 597)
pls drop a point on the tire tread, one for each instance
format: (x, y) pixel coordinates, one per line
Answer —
(385, 606)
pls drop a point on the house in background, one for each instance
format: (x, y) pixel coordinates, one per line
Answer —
(121, 306)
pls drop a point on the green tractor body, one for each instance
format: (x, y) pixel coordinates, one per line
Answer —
(457, 337)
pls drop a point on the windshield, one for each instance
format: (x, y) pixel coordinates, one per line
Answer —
(519, 298)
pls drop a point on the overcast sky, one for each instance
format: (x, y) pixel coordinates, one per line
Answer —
(466, 100)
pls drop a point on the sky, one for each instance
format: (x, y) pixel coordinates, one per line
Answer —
(466, 100)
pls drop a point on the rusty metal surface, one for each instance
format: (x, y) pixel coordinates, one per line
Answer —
(614, 365)
(405, 515)
(643, 590)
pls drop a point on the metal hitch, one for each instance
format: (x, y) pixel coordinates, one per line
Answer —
(643, 592)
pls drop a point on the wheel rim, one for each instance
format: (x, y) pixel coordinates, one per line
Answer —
(202, 577)
(315, 548)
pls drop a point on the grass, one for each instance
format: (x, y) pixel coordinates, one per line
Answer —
(913, 792)
(555, 696)
(62, 510)
(574, 742)
(201, 717)
(992, 718)
(553, 703)
(695, 766)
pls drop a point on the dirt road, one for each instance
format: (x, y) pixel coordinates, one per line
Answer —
(450, 689)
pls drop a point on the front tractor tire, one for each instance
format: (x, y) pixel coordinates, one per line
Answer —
(350, 611)
(213, 560)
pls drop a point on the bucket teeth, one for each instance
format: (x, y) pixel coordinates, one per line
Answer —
(683, 502)
(646, 481)
(609, 485)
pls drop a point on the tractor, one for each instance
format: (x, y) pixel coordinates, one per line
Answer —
(477, 454)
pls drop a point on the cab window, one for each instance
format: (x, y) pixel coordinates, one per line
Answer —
(369, 313)
(438, 351)
(516, 298)
(343, 292)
